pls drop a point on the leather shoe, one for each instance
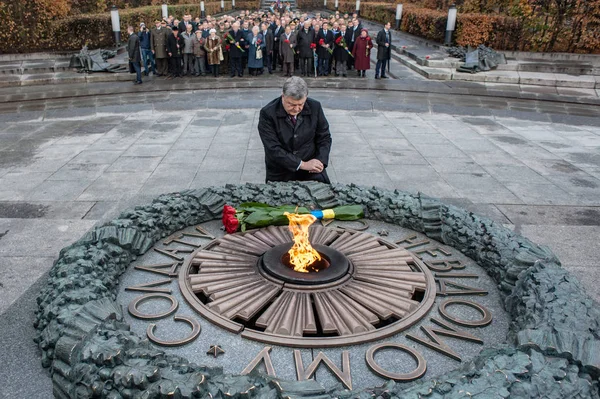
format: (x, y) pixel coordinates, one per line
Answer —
(384, 77)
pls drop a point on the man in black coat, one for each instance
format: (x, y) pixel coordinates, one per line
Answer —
(295, 135)
(175, 46)
(278, 30)
(268, 35)
(235, 50)
(306, 37)
(323, 50)
(352, 34)
(384, 50)
(135, 57)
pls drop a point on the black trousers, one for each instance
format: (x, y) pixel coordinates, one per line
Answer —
(175, 66)
(275, 59)
(306, 66)
(236, 66)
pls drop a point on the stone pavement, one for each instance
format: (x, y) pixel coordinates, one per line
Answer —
(66, 164)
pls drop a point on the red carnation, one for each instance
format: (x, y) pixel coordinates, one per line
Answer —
(230, 222)
(339, 40)
(227, 47)
(313, 45)
(286, 41)
(258, 41)
(322, 42)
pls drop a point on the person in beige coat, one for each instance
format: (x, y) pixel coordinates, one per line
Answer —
(214, 51)
(287, 45)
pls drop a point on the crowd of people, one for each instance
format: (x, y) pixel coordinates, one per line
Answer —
(259, 42)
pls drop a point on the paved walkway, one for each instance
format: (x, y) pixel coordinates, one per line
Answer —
(69, 163)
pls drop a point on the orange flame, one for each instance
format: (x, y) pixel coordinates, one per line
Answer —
(302, 254)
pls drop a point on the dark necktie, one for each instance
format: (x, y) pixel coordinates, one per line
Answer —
(293, 120)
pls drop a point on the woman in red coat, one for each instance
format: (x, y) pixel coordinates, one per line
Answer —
(362, 53)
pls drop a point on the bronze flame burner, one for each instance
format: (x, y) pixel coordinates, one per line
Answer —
(333, 266)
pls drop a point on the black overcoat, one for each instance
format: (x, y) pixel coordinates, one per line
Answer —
(384, 53)
(133, 48)
(322, 52)
(305, 39)
(285, 145)
(235, 52)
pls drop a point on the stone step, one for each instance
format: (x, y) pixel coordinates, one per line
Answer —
(34, 67)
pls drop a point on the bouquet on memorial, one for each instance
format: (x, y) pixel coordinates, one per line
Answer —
(252, 215)
(340, 41)
(322, 43)
(231, 40)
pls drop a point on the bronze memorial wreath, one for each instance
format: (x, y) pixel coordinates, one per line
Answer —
(552, 349)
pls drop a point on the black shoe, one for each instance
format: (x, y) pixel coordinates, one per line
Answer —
(358, 73)
(240, 75)
(377, 76)
(384, 77)
(138, 83)
(344, 75)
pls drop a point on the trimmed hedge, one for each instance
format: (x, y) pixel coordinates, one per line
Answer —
(496, 31)
(95, 30)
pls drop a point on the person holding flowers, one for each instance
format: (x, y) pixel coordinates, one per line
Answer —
(256, 51)
(325, 42)
(384, 50)
(286, 51)
(362, 53)
(306, 39)
(233, 38)
(341, 52)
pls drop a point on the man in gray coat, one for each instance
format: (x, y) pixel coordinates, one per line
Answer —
(135, 56)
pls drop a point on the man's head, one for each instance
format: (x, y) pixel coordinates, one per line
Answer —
(163, 24)
(388, 25)
(325, 25)
(245, 25)
(295, 92)
(189, 28)
(142, 26)
(175, 30)
(307, 25)
(198, 34)
(157, 23)
(288, 29)
(236, 26)
(355, 23)
(130, 29)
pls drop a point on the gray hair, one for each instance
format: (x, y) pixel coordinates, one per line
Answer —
(296, 88)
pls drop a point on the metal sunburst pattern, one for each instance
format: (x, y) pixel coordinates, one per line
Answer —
(386, 290)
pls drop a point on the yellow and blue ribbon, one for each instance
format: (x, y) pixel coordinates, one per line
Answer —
(323, 214)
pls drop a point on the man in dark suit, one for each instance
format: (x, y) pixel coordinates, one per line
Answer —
(352, 34)
(384, 50)
(187, 20)
(323, 49)
(268, 35)
(277, 32)
(235, 54)
(295, 135)
(135, 56)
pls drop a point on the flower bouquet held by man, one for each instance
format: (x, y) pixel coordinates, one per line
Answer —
(253, 215)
